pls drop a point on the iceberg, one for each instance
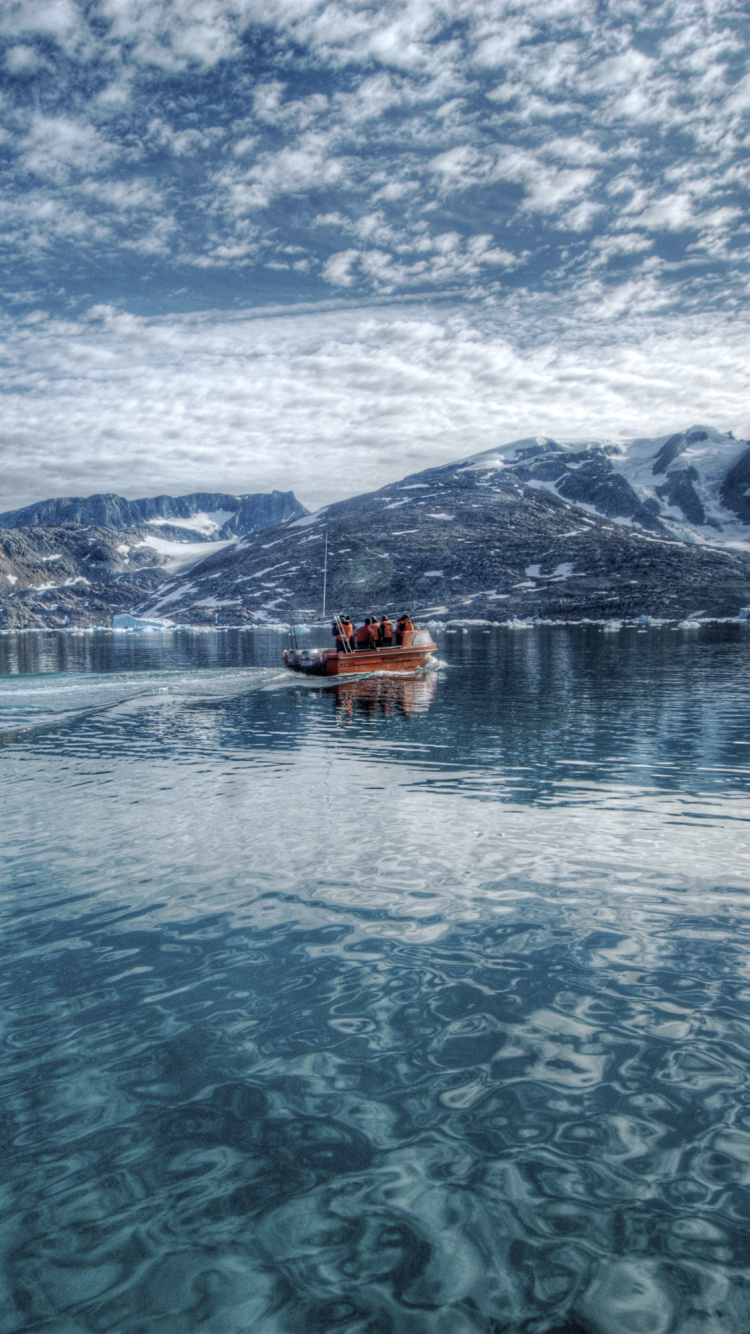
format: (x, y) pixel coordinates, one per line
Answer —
(123, 621)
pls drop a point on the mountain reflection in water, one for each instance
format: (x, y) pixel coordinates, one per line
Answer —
(412, 1006)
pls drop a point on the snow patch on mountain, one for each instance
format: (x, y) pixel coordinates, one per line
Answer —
(181, 554)
(307, 519)
(201, 522)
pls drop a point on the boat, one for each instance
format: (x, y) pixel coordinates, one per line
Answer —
(413, 652)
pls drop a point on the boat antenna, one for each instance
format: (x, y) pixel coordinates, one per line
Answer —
(325, 575)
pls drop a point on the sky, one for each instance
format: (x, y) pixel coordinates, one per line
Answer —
(316, 245)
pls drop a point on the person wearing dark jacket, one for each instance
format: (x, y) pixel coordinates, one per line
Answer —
(385, 631)
(405, 624)
(336, 632)
(348, 631)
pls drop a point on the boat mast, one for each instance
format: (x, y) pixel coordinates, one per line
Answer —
(325, 575)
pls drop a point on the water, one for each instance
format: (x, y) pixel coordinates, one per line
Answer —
(407, 1008)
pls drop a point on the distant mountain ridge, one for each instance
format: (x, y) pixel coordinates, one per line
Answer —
(692, 484)
(215, 515)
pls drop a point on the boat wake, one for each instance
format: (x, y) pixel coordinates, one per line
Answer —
(50, 700)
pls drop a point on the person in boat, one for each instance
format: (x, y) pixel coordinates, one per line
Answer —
(340, 645)
(405, 624)
(366, 636)
(348, 630)
(385, 631)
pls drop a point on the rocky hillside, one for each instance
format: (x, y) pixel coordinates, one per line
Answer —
(518, 532)
(540, 528)
(202, 516)
(72, 575)
(692, 485)
(81, 561)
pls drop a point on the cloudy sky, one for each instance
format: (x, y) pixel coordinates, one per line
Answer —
(318, 244)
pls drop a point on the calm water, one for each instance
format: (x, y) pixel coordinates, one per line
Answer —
(411, 1008)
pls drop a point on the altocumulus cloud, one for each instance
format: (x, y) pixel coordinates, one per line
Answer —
(320, 244)
(334, 402)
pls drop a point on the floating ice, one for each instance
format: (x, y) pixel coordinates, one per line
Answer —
(123, 621)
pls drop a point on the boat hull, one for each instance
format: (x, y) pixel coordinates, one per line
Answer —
(378, 660)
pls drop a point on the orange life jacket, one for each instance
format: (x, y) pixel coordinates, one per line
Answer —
(365, 635)
(406, 626)
(386, 629)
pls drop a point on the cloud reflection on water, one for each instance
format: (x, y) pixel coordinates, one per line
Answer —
(306, 1028)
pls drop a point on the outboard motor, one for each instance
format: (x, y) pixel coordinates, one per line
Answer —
(311, 660)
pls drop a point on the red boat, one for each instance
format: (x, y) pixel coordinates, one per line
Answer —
(415, 650)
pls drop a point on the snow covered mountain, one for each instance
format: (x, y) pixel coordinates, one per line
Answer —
(571, 529)
(78, 561)
(202, 516)
(577, 529)
(694, 485)
(74, 574)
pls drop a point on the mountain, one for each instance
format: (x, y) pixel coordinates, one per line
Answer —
(202, 516)
(73, 575)
(570, 530)
(74, 561)
(692, 485)
(553, 529)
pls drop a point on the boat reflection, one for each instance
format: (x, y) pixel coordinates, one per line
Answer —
(386, 695)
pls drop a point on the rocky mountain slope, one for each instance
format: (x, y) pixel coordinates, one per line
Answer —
(73, 575)
(536, 529)
(692, 485)
(202, 516)
(80, 561)
(539, 528)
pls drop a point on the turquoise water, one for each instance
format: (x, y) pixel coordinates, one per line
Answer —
(405, 1008)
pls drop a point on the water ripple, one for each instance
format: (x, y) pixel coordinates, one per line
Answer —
(326, 1012)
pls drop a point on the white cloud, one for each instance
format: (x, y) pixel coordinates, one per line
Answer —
(55, 146)
(23, 60)
(202, 35)
(624, 243)
(60, 21)
(459, 167)
(184, 143)
(548, 189)
(500, 48)
(580, 218)
(395, 190)
(124, 195)
(673, 213)
(292, 170)
(448, 257)
(450, 141)
(332, 403)
(338, 269)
